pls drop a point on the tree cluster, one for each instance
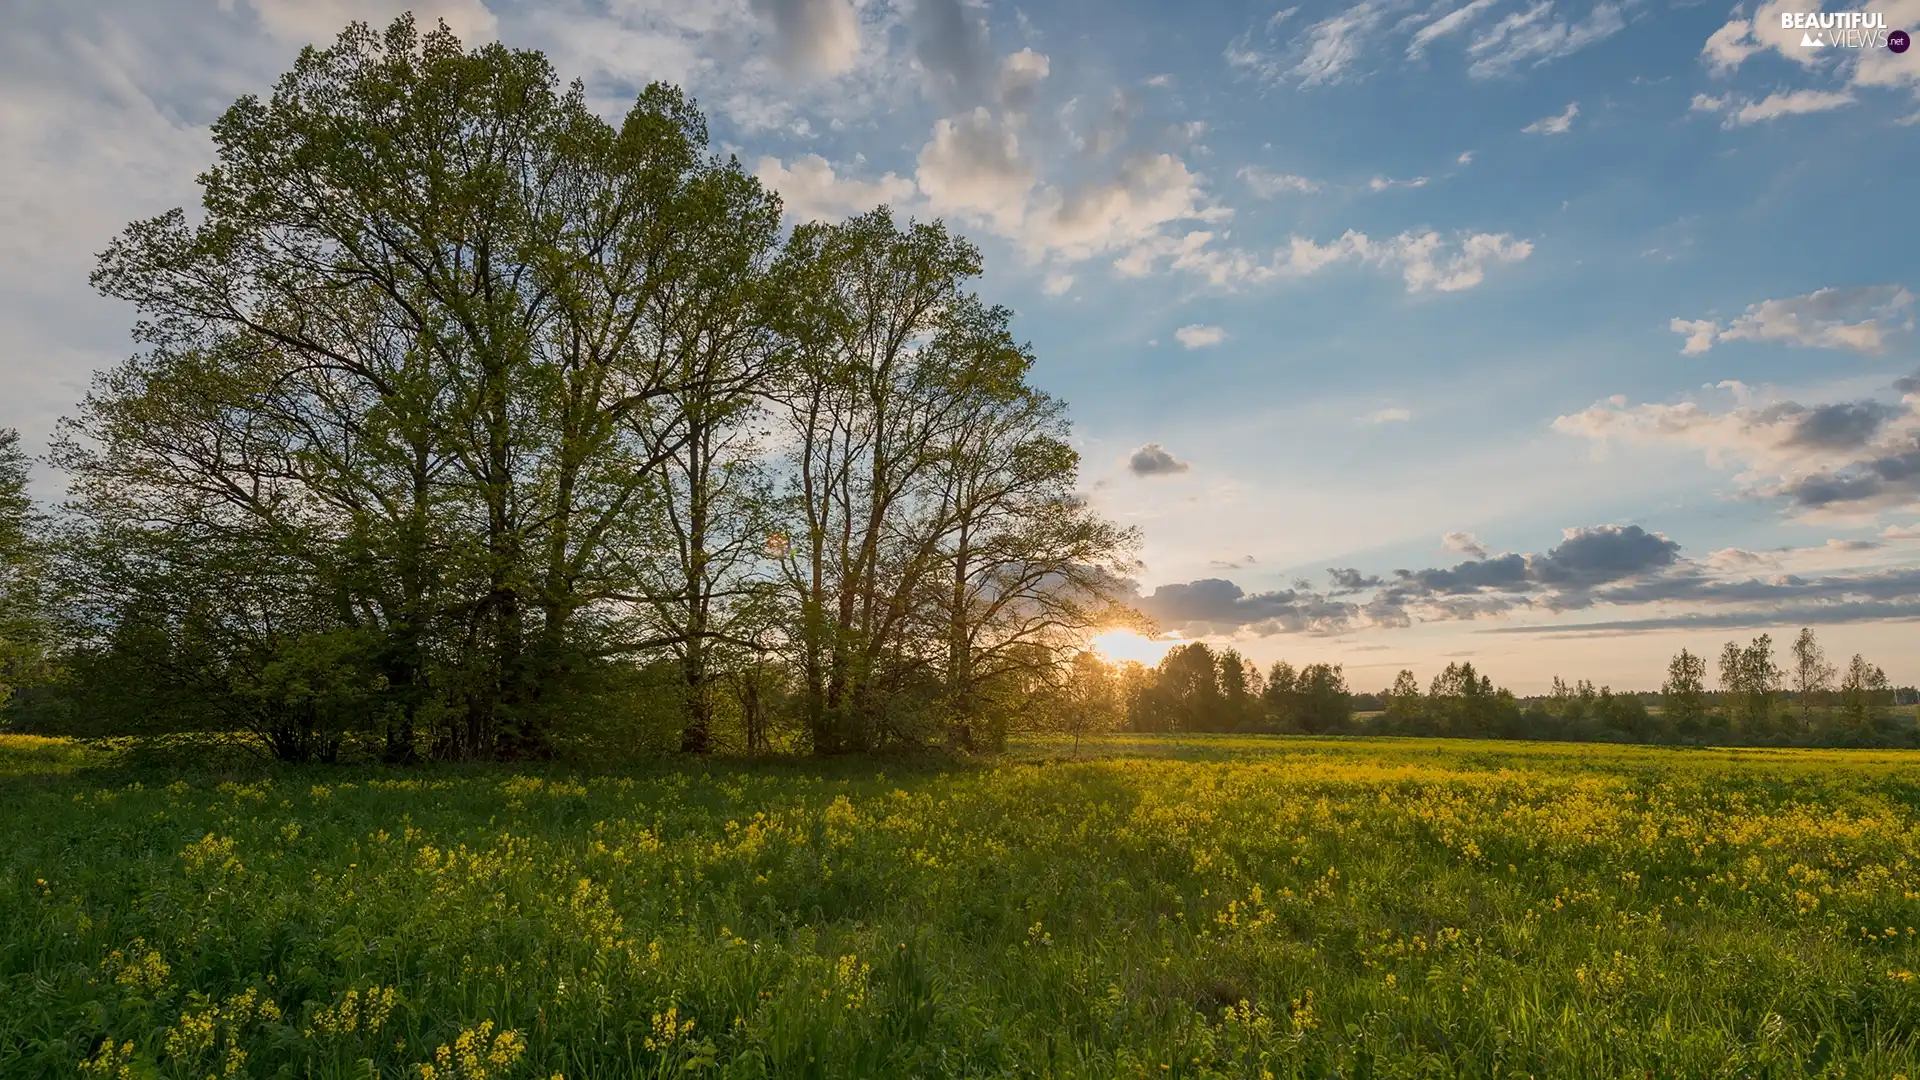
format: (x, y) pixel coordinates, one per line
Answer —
(467, 421)
(1198, 688)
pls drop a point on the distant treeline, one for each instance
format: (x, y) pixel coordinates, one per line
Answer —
(1199, 688)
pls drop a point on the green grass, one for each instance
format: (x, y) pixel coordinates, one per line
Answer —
(1205, 907)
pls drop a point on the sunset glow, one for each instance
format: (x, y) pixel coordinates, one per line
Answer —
(1121, 646)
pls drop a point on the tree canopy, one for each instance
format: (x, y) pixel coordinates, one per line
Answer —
(462, 411)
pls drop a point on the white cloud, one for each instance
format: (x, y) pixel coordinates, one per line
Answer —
(976, 168)
(1830, 459)
(1534, 37)
(1452, 22)
(1391, 415)
(1336, 42)
(1773, 106)
(811, 191)
(1200, 335)
(1464, 543)
(1465, 158)
(1383, 183)
(1266, 183)
(765, 65)
(972, 168)
(1426, 260)
(1858, 318)
(1020, 77)
(1792, 103)
(1145, 193)
(1699, 332)
(1056, 283)
(1884, 67)
(1427, 264)
(1741, 38)
(1323, 53)
(1554, 125)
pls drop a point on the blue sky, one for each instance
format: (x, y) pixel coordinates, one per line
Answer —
(1622, 292)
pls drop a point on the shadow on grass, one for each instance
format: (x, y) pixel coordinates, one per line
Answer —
(35, 762)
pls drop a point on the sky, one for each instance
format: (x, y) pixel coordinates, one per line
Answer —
(1556, 336)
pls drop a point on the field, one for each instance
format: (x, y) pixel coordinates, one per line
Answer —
(1217, 907)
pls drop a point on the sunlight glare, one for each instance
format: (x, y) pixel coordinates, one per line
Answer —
(1120, 646)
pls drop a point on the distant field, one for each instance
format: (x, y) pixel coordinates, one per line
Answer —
(1206, 907)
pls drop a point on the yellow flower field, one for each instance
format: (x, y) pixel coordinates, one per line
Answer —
(1207, 907)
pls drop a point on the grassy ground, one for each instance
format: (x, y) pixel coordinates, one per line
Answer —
(1210, 907)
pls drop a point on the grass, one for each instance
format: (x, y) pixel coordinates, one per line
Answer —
(1204, 907)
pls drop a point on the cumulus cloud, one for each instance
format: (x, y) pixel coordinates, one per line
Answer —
(1741, 38)
(812, 191)
(812, 37)
(1156, 460)
(1393, 414)
(1884, 68)
(1425, 260)
(1834, 459)
(1020, 77)
(1558, 124)
(973, 168)
(1465, 543)
(977, 168)
(1859, 318)
(1199, 335)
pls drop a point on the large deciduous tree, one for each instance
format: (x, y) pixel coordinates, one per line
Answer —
(939, 555)
(411, 379)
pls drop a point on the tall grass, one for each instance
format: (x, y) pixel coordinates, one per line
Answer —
(1192, 908)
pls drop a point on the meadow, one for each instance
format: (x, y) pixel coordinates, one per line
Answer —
(1200, 907)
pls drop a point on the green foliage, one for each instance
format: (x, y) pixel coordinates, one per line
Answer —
(1220, 906)
(1683, 697)
(1864, 694)
(23, 557)
(1750, 685)
(453, 423)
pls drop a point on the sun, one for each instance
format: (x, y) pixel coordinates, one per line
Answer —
(1121, 646)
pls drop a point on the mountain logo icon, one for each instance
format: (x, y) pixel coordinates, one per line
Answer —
(1808, 41)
